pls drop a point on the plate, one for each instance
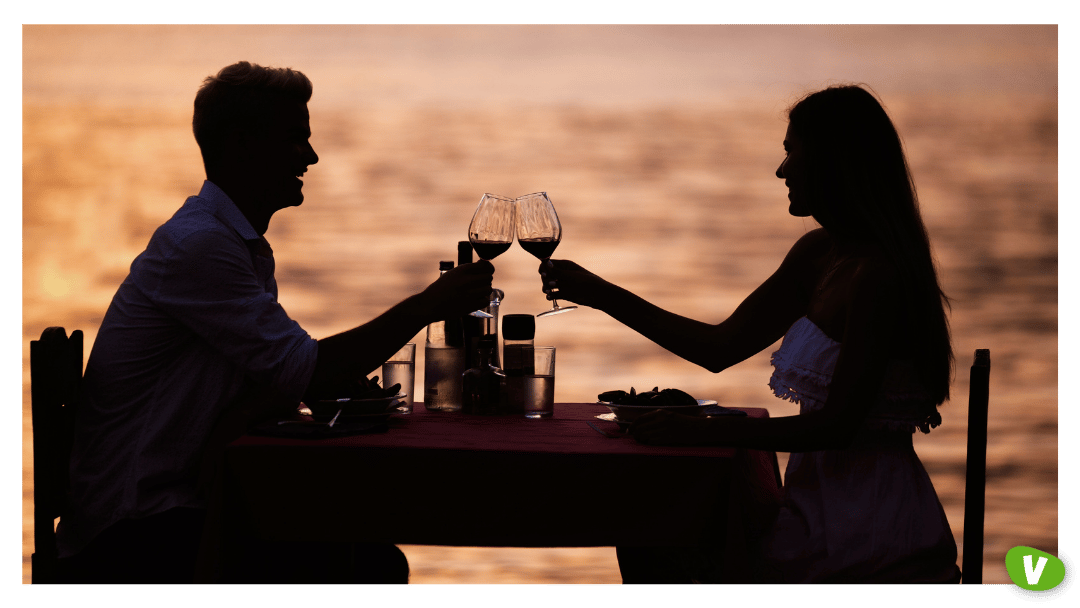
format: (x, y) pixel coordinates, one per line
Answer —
(630, 413)
(374, 417)
(367, 417)
(367, 400)
(355, 409)
(609, 417)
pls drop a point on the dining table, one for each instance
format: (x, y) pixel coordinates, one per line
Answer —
(448, 478)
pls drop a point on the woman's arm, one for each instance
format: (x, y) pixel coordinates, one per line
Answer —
(760, 320)
(872, 326)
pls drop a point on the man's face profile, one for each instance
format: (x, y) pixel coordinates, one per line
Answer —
(278, 153)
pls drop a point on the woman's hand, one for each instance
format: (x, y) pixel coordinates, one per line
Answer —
(661, 427)
(565, 280)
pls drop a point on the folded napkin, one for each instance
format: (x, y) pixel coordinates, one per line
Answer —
(305, 429)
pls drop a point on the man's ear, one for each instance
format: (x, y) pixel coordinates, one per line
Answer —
(234, 141)
(237, 147)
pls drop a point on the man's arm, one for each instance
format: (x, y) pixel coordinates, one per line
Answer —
(355, 353)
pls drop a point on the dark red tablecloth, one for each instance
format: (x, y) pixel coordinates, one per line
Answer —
(453, 479)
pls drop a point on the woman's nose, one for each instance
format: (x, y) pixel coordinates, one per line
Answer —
(780, 169)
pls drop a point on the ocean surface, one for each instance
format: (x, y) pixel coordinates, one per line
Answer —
(658, 146)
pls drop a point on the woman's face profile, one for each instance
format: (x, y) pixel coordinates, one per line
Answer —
(793, 171)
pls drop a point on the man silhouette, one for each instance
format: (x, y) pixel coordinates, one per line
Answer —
(194, 347)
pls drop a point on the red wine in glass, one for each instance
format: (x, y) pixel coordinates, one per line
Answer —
(539, 233)
(491, 230)
(489, 250)
(542, 248)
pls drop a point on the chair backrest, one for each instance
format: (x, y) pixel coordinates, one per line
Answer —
(975, 489)
(56, 366)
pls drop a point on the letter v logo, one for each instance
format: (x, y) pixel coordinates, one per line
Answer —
(1033, 569)
(1033, 574)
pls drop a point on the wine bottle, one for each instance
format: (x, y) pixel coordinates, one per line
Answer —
(472, 327)
(480, 384)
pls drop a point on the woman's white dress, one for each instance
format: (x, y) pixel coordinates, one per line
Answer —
(868, 513)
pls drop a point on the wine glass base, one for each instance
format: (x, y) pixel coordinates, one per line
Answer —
(555, 311)
(481, 314)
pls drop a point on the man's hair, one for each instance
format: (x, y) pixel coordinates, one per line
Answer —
(241, 97)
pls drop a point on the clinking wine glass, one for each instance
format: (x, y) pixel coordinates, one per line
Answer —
(491, 231)
(539, 233)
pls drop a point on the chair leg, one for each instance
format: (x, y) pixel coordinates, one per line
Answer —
(975, 486)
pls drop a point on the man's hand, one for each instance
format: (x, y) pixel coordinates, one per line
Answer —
(460, 291)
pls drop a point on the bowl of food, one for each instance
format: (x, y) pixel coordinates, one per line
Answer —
(359, 400)
(628, 407)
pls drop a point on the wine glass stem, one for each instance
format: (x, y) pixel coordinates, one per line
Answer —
(554, 301)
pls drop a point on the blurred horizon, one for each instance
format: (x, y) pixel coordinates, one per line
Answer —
(657, 145)
(464, 64)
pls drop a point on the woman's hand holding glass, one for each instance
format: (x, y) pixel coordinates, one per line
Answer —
(573, 282)
(539, 232)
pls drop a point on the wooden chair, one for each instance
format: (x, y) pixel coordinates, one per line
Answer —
(975, 489)
(56, 367)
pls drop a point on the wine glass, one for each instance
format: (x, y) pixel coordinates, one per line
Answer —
(539, 233)
(491, 231)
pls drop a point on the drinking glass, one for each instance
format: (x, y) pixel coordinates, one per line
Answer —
(400, 368)
(539, 233)
(538, 388)
(491, 231)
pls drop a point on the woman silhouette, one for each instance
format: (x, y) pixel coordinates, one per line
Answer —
(866, 354)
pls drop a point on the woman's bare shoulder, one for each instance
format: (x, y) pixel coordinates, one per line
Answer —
(810, 249)
(805, 259)
(817, 241)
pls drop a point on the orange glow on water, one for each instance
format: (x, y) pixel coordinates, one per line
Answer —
(658, 147)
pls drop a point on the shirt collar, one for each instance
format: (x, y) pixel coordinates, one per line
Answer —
(226, 210)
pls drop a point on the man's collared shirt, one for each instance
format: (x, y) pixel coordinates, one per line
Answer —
(194, 328)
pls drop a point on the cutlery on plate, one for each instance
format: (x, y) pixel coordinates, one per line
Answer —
(333, 420)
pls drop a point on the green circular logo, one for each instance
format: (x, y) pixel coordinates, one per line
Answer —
(1034, 570)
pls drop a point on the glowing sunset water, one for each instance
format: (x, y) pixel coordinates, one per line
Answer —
(660, 164)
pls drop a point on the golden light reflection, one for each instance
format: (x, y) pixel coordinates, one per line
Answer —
(55, 284)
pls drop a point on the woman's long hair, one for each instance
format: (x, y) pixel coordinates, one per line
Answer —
(861, 190)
